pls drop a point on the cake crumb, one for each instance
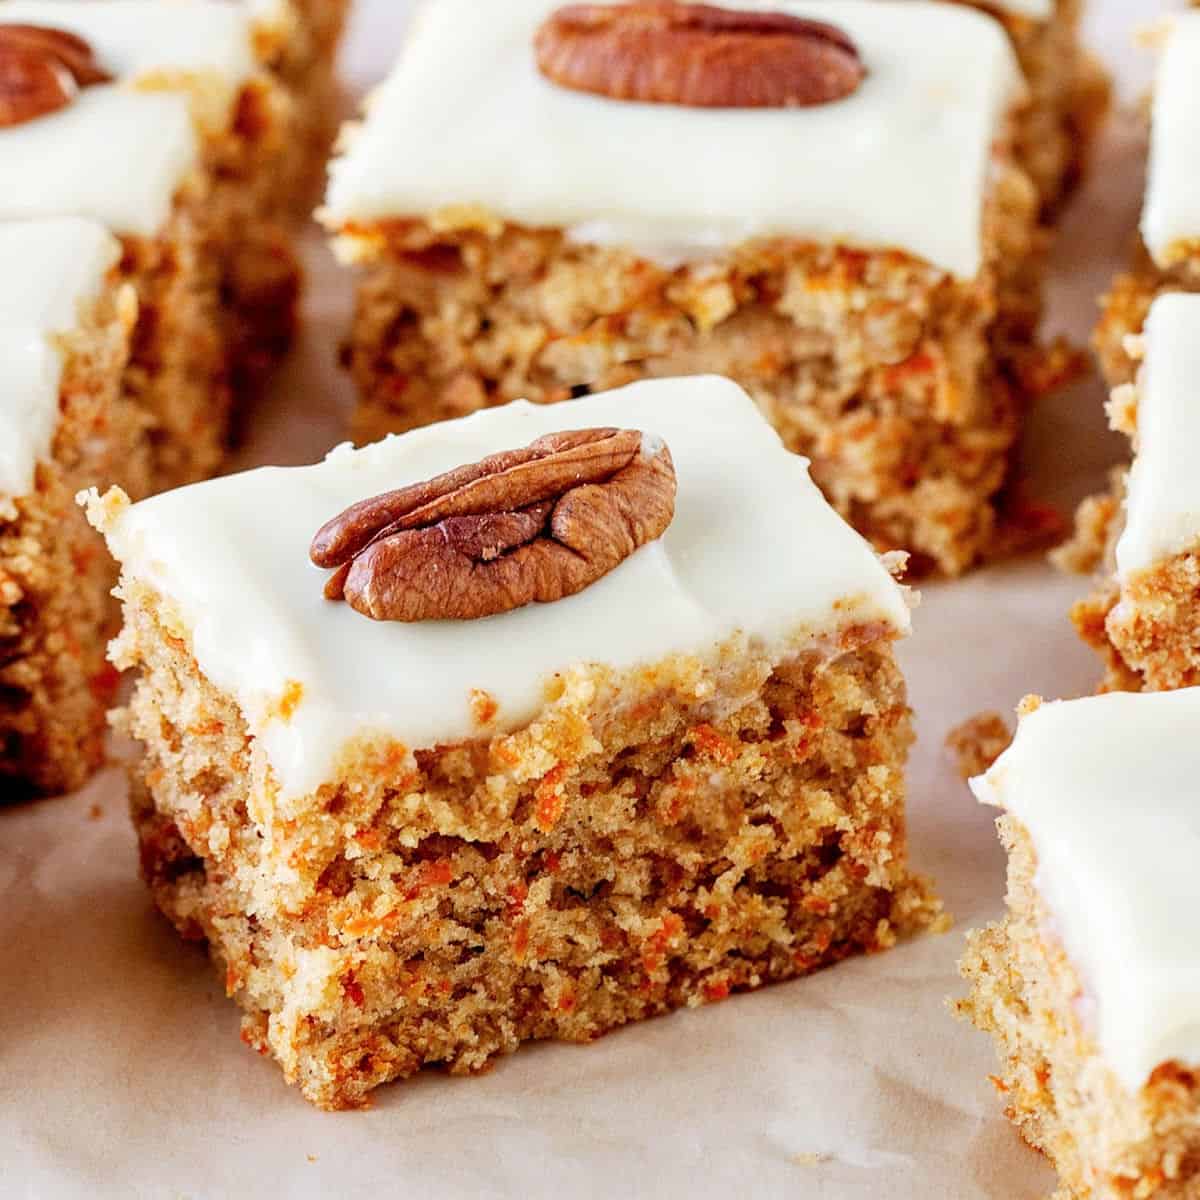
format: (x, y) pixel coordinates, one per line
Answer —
(103, 511)
(978, 742)
(95, 812)
(809, 1158)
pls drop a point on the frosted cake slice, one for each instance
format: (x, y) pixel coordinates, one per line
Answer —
(1090, 986)
(420, 820)
(553, 200)
(66, 321)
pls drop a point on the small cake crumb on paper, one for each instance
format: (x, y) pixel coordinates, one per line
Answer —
(809, 1158)
(978, 742)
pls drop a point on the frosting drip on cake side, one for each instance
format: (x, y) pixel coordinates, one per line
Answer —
(753, 547)
(1162, 505)
(119, 152)
(466, 119)
(1107, 788)
(51, 269)
(1171, 218)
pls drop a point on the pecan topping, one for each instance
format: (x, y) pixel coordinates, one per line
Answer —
(664, 52)
(525, 526)
(41, 71)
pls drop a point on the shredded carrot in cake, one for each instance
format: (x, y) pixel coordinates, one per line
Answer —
(711, 744)
(550, 800)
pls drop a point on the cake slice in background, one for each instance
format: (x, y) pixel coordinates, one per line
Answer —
(858, 242)
(66, 319)
(298, 40)
(1168, 253)
(172, 136)
(1144, 536)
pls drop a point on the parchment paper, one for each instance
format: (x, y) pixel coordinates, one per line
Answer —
(121, 1072)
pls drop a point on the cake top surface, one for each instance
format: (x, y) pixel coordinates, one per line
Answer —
(1171, 217)
(119, 151)
(466, 118)
(51, 269)
(1108, 788)
(753, 547)
(1162, 503)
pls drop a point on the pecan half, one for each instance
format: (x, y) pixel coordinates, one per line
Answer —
(525, 526)
(698, 55)
(41, 71)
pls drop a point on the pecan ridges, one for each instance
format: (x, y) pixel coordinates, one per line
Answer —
(525, 526)
(697, 55)
(41, 71)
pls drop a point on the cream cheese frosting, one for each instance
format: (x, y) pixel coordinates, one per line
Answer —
(1039, 10)
(466, 119)
(51, 270)
(119, 152)
(1171, 217)
(754, 548)
(1107, 789)
(1162, 503)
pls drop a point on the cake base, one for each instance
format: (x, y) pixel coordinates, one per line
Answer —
(652, 840)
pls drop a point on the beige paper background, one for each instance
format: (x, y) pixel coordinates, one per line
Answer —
(121, 1073)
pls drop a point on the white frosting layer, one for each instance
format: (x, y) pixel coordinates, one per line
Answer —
(466, 118)
(133, 39)
(51, 268)
(118, 155)
(1162, 506)
(1040, 10)
(753, 547)
(1172, 213)
(1109, 790)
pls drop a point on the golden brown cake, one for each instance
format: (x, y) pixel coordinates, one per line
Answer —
(298, 41)
(1068, 92)
(418, 820)
(564, 238)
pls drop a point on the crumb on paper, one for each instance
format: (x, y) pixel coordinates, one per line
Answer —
(978, 742)
(312, 1158)
(809, 1158)
(95, 812)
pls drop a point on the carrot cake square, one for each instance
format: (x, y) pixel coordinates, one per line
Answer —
(155, 120)
(638, 742)
(66, 320)
(1168, 254)
(1089, 985)
(1142, 614)
(298, 41)
(552, 200)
